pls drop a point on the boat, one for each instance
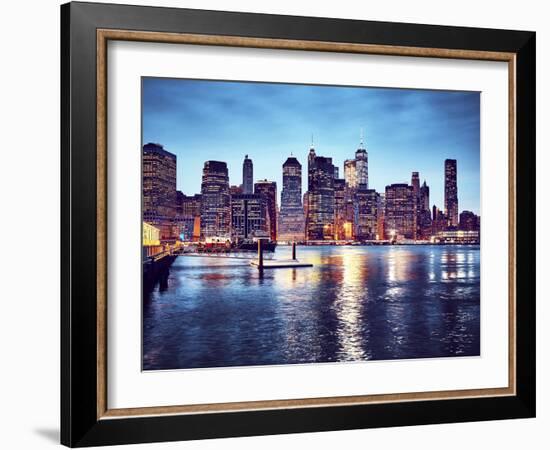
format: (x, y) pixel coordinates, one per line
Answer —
(251, 245)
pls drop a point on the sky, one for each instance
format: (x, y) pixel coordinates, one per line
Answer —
(404, 130)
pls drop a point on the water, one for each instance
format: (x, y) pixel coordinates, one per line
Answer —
(356, 303)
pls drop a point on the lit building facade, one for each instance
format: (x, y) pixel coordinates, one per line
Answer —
(439, 220)
(291, 216)
(320, 218)
(159, 189)
(366, 207)
(188, 216)
(381, 215)
(190, 205)
(248, 176)
(268, 189)
(151, 244)
(350, 173)
(451, 193)
(424, 215)
(468, 221)
(457, 237)
(415, 183)
(362, 167)
(400, 213)
(248, 216)
(340, 209)
(215, 200)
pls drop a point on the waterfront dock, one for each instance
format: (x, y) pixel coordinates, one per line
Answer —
(280, 264)
(261, 263)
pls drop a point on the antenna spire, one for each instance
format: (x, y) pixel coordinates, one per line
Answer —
(361, 137)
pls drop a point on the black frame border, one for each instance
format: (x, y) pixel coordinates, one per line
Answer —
(79, 424)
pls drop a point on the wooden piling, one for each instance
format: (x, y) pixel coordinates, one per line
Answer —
(260, 254)
(294, 251)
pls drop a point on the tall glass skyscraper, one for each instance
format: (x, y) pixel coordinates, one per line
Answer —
(400, 214)
(320, 220)
(215, 200)
(362, 166)
(366, 214)
(350, 173)
(451, 193)
(291, 217)
(248, 176)
(159, 188)
(425, 216)
(268, 190)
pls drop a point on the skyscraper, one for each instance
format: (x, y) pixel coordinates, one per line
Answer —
(381, 216)
(310, 163)
(362, 165)
(415, 183)
(320, 219)
(362, 168)
(339, 208)
(425, 216)
(291, 217)
(159, 189)
(248, 176)
(307, 197)
(248, 216)
(425, 197)
(451, 193)
(350, 173)
(215, 200)
(268, 189)
(366, 206)
(400, 214)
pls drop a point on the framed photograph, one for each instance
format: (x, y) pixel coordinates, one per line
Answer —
(276, 224)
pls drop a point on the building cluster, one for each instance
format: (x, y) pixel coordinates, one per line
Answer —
(332, 208)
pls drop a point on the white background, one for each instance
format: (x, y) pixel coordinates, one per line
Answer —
(129, 387)
(29, 330)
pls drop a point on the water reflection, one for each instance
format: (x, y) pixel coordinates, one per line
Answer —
(356, 303)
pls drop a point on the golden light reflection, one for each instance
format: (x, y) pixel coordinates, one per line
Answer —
(399, 261)
(349, 305)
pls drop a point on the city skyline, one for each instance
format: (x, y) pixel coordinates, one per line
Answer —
(389, 160)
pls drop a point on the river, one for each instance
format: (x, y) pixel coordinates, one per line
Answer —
(356, 303)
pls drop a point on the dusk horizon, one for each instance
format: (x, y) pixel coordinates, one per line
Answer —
(404, 130)
(340, 255)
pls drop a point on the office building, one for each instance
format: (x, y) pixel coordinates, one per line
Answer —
(291, 217)
(366, 207)
(451, 193)
(339, 209)
(215, 201)
(400, 213)
(468, 221)
(320, 218)
(248, 216)
(268, 189)
(248, 176)
(159, 189)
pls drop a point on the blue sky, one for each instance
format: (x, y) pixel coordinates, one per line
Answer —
(404, 130)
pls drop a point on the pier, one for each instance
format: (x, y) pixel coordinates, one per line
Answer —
(262, 264)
